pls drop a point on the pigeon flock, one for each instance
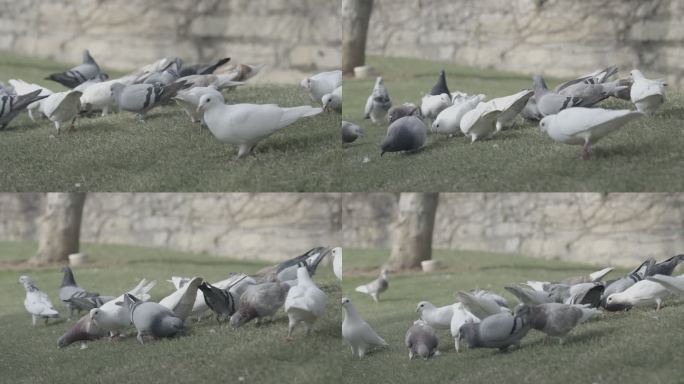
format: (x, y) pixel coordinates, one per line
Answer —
(196, 88)
(484, 319)
(239, 299)
(569, 114)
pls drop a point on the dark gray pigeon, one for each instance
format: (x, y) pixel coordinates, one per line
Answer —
(350, 132)
(11, 106)
(152, 319)
(500, 330)
(203, 69)
(70, 293)
(165, 77)
(406, 109)
(548, 102)
(441, 85)
(220, 301)
(421, 340)
(78, 74)
(258, 302)
(405, 134)
(140, 98)
(84, 330)
(555, 319)
(666, 267)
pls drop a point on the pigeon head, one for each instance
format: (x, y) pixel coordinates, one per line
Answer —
(539, 85)
(68, 279)
(95, 314)
(346, 302)
(238, 319)
(636, 74)
(27, 282)
(544, 123)
(208, 100)
(423, 305)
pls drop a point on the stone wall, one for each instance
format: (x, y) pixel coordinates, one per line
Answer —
(619, 229)
(554, 37)
(239, 225)
(124, 34)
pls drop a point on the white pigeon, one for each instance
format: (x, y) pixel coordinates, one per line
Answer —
(436, 317)
(37, 303)
(642, 293)
(585, 126)
(113, 316)
(480, 305)
(360, 336)
(510, 107)
(449, 120)
(432, 105)
(247, 124)
(182, 301)
(480, 123)
(647, 95)
(378, 103)
(21, 87)
(461, 316)
(673, 284)
(337, 262)
(322, 83)
(305, 302)
(375, 287)
(236, 284)
(333, 100)
(189, 100)
(99, 96)
(62, 107)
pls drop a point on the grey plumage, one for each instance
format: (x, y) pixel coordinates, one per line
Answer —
(406, 134)
(531, 110)
(84, 330)
(666, 267)
(441, 85)
(421, 340)
(140, 98)
(598, 77)
(548, 102)
(152, 319)
(639, 273)
(592, 94)
(530, 296)
(500, 330)
(12, 105)
(350, 132)
(259, 301)
(378, 103)
(78, 74)
(554, 319)
(375, 287)
(166, 76)
(70, 293)
(203, 69)
(220, 301)
(399, 111)
(287, 270)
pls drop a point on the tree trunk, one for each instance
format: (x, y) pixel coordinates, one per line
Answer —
(355, 18)
(412, 238)
(60, 228)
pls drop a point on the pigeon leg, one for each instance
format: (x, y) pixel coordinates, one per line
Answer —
(33, 319)
(375, 297)
(456, 344)
(140, 338)
(73, 122)
(585, 150)
(353, 351)
(57, 126)
(410, 354)
(30, 113)
(46, 321)
(659, 304)
(362, 352)
(84, 345)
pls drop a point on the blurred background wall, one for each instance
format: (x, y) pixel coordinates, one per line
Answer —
(555, 37)
(237, 225)
(620, 229)
(125, 34)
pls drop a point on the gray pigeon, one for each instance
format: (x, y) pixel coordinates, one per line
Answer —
(639, 273)
(11, 106)
(375, 287)
(554, 319)
(399, 111)
(406, 134)
(84, 330)
(152, 319)
(259, 301)
(550, 103)
(421, 340)
(140, 98)
(220, 301)
(598, 77)
(378, 103)
(530, 296)
(441, 85)
(531, 111)
(592, 94)
(666, 267)
(164, 77)
(287, 270)
(203, 69)
(350, 132)
(76, 298)
(78, 74)
(500, 330)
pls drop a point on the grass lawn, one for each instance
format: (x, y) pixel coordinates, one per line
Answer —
(639, 346)
(166, 152)
(641, 157)
(208, 353)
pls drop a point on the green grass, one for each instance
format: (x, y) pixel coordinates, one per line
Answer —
(639, 346)
(165, 153)
(641, 157)
(208, 353)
